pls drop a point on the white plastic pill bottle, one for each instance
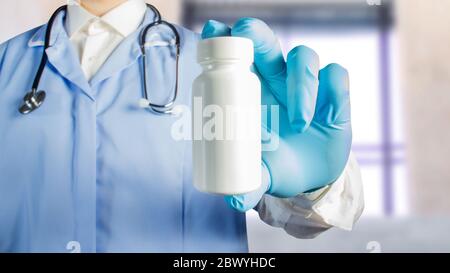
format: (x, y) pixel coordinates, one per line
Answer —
(226, 118)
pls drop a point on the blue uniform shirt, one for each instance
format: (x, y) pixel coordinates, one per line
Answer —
(91, 166)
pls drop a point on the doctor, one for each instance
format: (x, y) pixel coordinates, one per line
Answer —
(91, 167)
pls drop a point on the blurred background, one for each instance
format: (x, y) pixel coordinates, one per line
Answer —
(398, 56)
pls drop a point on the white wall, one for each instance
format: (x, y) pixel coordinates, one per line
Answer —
(424, 29)
(17, 16)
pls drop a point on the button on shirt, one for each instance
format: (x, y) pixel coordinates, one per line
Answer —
(95, 38)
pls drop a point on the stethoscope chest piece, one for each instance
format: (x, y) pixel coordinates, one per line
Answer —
(32, 101)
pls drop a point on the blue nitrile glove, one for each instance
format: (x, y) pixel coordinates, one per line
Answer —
(314, 109)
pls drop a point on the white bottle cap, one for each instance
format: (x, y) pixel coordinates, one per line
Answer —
(225, 48)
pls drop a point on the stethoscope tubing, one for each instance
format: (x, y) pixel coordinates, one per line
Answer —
(34, 99)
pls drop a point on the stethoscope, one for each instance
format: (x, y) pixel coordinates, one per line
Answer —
(34, 99)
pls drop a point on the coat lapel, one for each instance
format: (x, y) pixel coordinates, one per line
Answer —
(61, 54)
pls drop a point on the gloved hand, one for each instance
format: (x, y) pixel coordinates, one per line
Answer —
(314, 114)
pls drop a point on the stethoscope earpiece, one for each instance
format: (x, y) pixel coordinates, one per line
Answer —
(32, 101)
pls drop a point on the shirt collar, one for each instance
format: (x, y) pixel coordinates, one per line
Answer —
(124, 18)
